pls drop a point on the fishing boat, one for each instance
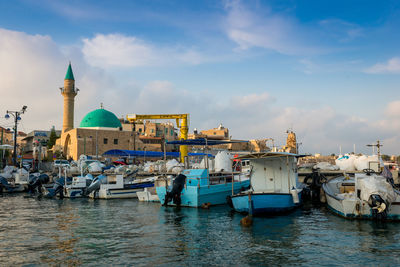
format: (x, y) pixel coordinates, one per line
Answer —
(201, 187)
(367, 195)
(274, 185)
(115, 187)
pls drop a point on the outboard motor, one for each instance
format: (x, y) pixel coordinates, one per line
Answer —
(58, 188)
(175, 194)
(36, 182)
(312, 191)
(379, 208)
(95, 184)
(4, 184)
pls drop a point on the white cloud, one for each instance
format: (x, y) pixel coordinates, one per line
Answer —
(34, 66)
(248, 29)
(391, 66)
(118, 50)
(258, 26)
(393, 109)
(251, 101)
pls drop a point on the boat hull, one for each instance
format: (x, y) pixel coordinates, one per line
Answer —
(115, 193)
(148, 196)
(264, 203)
(74, 193)
(196, 196)
(357, 209)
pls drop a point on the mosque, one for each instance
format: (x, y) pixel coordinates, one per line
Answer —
(99, 131)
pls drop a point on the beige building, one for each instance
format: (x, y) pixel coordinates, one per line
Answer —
(100, 130)
(222, 133)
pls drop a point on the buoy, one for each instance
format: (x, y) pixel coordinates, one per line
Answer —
(206, 205)
(322, 197)
(246, 221)
(295, 195)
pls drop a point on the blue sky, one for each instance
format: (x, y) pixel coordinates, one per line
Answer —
(330, 70)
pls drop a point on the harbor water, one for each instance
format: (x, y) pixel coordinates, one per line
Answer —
(88, 232)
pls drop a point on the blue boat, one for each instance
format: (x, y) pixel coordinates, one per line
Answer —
(202, 188)
(274, 186)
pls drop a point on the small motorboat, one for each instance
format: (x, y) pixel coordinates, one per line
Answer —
(78, 186)
(113, 186)
(366, 196)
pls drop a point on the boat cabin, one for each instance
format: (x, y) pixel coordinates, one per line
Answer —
(273, 172)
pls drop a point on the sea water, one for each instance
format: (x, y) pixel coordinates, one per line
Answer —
(74, 232)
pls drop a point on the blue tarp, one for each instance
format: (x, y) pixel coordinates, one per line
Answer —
(202, 142)
(140, 153)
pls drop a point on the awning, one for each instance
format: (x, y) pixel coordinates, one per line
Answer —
(6, 146)
(140, 153)
(203, 142)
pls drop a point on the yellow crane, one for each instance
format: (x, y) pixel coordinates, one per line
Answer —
(181, 123)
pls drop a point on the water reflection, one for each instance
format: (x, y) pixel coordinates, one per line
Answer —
(63, 250)
(128, 232)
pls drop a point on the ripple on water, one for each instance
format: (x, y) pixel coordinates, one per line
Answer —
(128, 232)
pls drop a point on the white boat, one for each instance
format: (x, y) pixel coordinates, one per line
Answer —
(366, 196)
(114, 187)
(149, 194)
(274, 186)
(78, 186)
(14, 180)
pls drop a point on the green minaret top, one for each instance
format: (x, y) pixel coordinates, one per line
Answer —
(70, 74)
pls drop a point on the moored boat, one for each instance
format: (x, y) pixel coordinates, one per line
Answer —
(366, 196)
(274, 186)
(78, 186)
(199, 187)
(114, 187)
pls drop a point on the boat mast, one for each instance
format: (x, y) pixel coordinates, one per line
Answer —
(378, 149)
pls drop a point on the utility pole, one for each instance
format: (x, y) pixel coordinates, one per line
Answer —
(378, 148)
(16, 119)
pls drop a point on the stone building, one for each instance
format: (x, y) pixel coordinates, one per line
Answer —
(100, 130)
(222, 133)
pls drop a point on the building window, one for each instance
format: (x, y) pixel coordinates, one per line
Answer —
(172, 132)
(152, 130)
(140, 130)
(115, 141)
(105, 141)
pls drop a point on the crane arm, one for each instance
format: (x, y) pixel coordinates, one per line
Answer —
(181, 123)
(134, 117)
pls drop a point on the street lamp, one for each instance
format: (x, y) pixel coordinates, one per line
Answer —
(16, 116)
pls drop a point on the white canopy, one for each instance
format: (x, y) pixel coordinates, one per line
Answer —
(6, 146)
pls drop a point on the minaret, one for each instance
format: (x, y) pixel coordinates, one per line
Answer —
(69, 92)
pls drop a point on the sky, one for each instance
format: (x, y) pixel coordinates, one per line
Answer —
(328, 70)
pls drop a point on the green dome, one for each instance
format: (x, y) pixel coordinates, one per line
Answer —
(100, 118)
